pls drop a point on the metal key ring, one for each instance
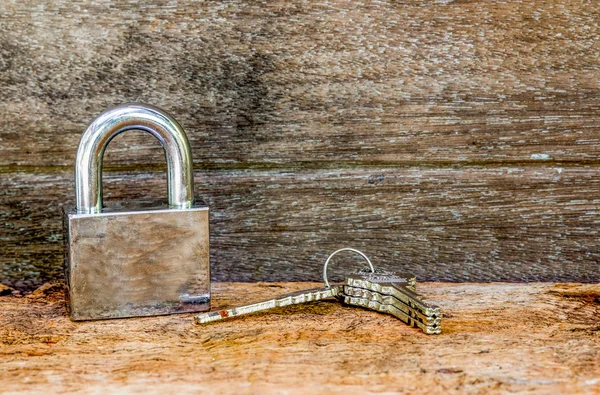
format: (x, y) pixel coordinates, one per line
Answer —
(340, 250)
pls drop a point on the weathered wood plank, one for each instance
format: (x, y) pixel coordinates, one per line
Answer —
(308, 83)
(457, 139)
(486, 346)
(476, 224)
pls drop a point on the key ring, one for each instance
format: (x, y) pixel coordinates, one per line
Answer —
(340, 250)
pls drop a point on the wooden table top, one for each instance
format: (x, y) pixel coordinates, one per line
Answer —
(499, 337)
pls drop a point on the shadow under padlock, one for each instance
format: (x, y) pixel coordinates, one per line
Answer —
(135, 260)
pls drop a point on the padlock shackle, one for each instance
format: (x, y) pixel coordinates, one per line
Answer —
(133, 116)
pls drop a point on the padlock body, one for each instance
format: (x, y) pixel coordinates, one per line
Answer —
(127, 262)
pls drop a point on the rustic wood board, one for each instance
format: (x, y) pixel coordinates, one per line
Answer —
(322, 81)
(497, 338)
(441, 224)
(457, 139)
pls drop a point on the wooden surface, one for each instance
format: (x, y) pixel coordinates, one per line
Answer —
(497, 338)
(458, 139)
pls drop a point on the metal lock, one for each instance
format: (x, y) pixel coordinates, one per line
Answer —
(135, 260)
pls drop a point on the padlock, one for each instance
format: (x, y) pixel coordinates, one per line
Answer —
(131, 260)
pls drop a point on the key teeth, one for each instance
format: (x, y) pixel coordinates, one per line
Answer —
(391, 290)
(434, 331)
(391, 300)
(428, 318)
(414, 309)
(390, 309)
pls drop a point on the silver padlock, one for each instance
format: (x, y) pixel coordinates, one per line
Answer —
(128, 260)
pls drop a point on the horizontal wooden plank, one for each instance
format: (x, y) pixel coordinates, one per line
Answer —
(306, 83)
(486, 346)
(479, 224)
(307, 121)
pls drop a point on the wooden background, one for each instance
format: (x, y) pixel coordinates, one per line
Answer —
(459, 139)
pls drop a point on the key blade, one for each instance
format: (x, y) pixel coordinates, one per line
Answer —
(405, 294)
(413, 300)
(296, 297)
(389, 299)
(391, 309)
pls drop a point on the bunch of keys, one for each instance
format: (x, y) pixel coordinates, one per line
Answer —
(382, 291)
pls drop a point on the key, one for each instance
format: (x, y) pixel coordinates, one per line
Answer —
(388, 299)
(394, 286)
(393, 310)
(298, 297)
(391, 293)
(405, 302)
(379, 290)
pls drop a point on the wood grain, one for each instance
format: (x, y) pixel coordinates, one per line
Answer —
(480, 224)
(497, 338)
(457, 139)
(258, 83)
